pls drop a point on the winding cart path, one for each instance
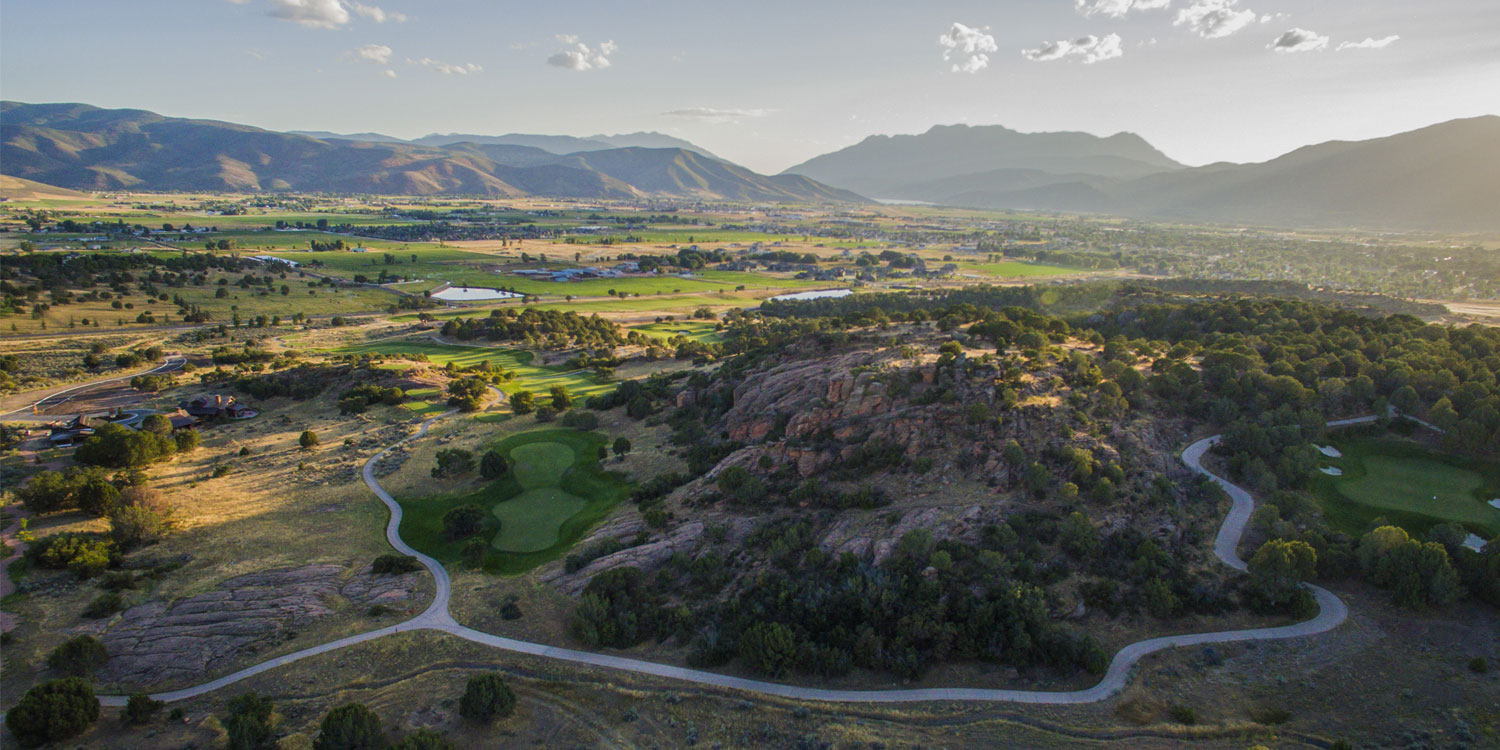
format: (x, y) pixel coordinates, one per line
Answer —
(1331, 612)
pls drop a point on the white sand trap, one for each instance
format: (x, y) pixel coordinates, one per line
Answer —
(1331, 471)
(1330, 451)
(1474, 542)
(1495, 503)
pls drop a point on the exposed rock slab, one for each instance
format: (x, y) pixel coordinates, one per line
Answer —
(193, 637)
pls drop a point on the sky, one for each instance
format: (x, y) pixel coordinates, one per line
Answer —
(771, 83)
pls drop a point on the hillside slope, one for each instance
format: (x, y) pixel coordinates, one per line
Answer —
(1446, 176)
(82, 147)
(892, 166)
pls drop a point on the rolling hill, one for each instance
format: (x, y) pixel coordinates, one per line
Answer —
(566, 144)
(87, 148)
(1445, 176)
(16, 188)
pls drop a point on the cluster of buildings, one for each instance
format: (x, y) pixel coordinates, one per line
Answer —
(189, 414)
(617, 271)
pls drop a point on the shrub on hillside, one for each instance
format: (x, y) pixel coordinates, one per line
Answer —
(78, 656)
(53, 711)
(486, 697)
(139, 709)
(350, 727)
(452, 463)
(394, 564)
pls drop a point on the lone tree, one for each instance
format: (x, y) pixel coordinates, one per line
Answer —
(487, 697)
(249, 722)
(78, 657)
(139, 709)
(157, 423)
(308, 440)
(493, 465)
(53, 711)
(622, 446)
(522, 402)
(561, 399)
(424, 739)
(350, 727)
(463, 521)
(474, 550)
(453, 462)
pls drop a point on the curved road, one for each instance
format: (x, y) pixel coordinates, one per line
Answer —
(169, 365)
(1331, 612)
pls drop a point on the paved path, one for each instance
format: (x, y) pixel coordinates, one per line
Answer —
(56, 397)
(1331, 612)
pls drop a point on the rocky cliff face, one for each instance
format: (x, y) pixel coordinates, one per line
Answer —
(950, 418)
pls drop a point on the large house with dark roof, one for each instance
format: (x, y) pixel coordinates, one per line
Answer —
(214, 405)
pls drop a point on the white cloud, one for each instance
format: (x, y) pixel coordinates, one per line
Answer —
(1214, 19)
(1117, 8)
(375, 53)
(967, 48)
(447, 69)
(580, 56)
(1370, 43)
(1299, 40)
(389, 73)
(717, 115)
(377, 14)
(326, 14)
(1090, 49)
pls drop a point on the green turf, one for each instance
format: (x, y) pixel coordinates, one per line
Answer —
(556, 491)
(529, 377)
(1010, 269)
(1407, 485)
(697, 330)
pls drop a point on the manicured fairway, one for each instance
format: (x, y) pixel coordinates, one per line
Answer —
(1408, 485)
(555, 492)
(535, 378)
(696, 330)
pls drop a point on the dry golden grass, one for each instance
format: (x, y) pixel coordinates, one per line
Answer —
(267, 513)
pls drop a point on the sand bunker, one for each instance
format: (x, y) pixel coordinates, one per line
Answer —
(1330, 451)
(1330, 471)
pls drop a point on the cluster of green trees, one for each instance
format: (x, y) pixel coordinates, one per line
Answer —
(361, 397)
(811, 612)
(542, 329)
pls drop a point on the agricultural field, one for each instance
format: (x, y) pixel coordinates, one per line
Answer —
(1015, 269)
(555, 492)
(1409, 484)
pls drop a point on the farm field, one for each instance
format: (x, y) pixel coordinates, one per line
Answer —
(1012, 269)
(1409, 485)
(555, 492)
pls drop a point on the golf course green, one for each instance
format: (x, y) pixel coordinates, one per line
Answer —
(1408, 485)
(553, 494)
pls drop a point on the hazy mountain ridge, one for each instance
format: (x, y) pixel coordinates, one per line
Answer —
(888, 166)
(82, 147)
(1445, 176)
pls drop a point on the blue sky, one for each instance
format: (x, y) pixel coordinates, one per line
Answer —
(771, 83)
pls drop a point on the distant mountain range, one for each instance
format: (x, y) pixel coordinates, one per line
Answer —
(556, 144)
(1445, 176)
(87, 148)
